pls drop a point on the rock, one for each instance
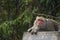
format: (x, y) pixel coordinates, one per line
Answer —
(41, 36)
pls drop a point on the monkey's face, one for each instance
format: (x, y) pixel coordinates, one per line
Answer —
(39, 21)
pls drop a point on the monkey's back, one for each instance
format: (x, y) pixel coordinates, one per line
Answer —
(49, 25)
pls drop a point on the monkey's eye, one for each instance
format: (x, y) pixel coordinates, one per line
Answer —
(40, 20)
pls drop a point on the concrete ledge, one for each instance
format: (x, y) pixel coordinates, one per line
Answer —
(41, 36)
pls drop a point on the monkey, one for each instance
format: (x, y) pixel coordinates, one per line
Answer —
(43, 24)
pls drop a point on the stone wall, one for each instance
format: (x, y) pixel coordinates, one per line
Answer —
(41, 36)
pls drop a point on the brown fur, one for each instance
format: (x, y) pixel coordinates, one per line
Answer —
(48, 25)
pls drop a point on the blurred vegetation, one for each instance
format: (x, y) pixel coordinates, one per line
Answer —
(16, 16)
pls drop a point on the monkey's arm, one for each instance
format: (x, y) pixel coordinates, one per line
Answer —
(29, 30)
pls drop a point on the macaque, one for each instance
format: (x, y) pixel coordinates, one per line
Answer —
(43, 24)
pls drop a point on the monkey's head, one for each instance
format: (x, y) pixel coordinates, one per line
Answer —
(39, 21)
